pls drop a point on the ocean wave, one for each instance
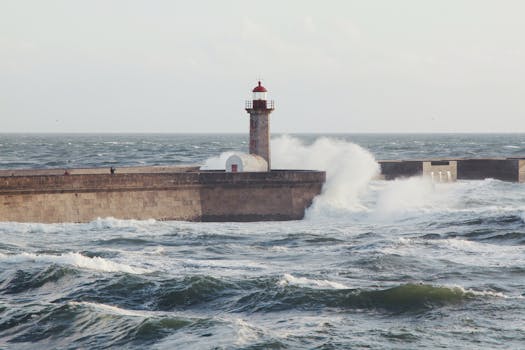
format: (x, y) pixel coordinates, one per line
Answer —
(31, 228)
(112, 223)
(108, 223)
(153, 321)
(505, 237)
(88, 325)
(193, 290)
(125, 241)
(288, 279)
(403, 298)
(21, 281)
(111, 309)
(503, 219)
(147, 299)
(238, 265)
(126, 291)
(132, 310)
(478, 253)
(73, 259)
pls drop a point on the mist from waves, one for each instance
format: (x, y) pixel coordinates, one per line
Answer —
(352, 188)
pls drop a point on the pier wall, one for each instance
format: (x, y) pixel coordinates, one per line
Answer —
(478, 169)
(504, 169)
(191, 196)
(278, 195)
(391, 169)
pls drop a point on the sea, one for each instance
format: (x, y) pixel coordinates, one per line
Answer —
(403, 264)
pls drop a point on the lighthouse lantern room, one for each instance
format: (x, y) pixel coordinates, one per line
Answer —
(259, 92)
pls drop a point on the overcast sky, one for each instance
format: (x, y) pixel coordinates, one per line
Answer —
(330, 66)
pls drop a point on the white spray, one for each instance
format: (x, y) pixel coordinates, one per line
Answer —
(217, 163)
(349, 188)
(349, 169)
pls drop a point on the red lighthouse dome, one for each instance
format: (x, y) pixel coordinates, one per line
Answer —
(259, 88)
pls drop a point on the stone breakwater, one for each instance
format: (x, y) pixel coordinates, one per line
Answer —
(162, 193)
(446, 170)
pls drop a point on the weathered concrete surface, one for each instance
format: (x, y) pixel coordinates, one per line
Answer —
(478, 169)
(260, 129)
(282, 196)
(193, 196)
(504, 169)
(391, 169)
(260, 134)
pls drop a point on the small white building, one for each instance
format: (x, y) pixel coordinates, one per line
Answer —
(242, 162)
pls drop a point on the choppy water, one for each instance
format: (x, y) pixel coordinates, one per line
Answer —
(384, 265)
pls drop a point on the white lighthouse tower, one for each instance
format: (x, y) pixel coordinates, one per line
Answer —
(259, 109)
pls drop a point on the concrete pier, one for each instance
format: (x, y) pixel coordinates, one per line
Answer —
(446, 170)
(162, 193)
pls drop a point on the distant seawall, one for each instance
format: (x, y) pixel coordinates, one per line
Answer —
(184, 194)
(504, 169)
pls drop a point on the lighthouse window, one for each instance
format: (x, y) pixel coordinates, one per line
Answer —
(259, 95)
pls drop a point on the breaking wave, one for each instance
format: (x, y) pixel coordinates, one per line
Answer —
(288, 279)
(352, 187)
(349, 169)
(73, 323)
(73, 259)
(21, 281)
(402, 298)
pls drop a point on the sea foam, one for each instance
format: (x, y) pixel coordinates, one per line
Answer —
(288, 279)
(349, 169)
(74, 259)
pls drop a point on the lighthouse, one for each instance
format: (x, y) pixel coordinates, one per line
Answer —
(259, 109)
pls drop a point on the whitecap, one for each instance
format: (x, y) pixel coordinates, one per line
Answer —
(110, 222)
(222, 264)
(110, 309)
(246, 333)
(288, 279)
(74, 259)
(482, 293)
